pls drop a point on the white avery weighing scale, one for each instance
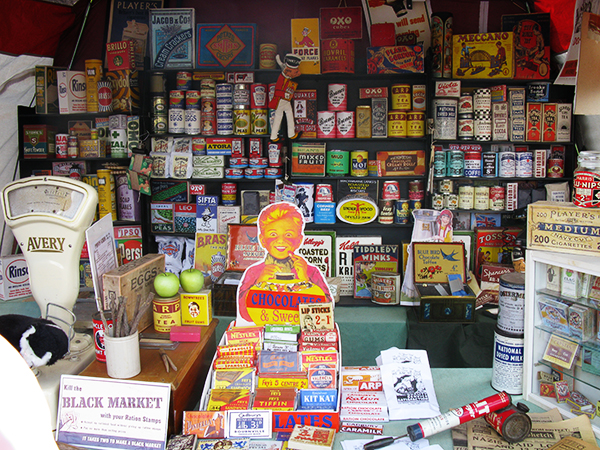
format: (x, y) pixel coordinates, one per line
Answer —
(49, 216)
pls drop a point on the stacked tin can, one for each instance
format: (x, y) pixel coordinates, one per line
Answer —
(482, 110)
(192, 115)
(208, 107)
(406, 117)
(224, 99)
(241, 109)
(259, 116)
(465, 117)
(159, 103)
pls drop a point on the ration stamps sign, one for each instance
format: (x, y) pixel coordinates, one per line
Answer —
(111, 414)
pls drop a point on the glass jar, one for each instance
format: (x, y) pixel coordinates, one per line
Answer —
(586, 184)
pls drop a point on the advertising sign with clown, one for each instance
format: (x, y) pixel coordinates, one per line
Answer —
(271, 290)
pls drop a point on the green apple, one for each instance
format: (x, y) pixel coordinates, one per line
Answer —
(192, 280)
(166, 284)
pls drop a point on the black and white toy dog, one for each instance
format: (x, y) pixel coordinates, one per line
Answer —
(41, 342)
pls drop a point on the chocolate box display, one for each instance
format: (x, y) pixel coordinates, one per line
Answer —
(433, 263)
(222, 45)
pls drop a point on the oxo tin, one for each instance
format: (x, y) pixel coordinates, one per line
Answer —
(258, 96)
(323, 193)
(391, 190)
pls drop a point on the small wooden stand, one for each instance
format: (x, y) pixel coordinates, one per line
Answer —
(193, 360)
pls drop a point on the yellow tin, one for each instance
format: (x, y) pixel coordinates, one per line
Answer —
(415, 124)
(401, 97)
(363, 121)
(396, 123)
(166, 312)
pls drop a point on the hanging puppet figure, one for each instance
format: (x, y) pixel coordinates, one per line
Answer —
(284, 93)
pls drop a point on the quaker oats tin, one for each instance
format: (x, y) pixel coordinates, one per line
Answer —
(326, 124)
(466, 197)
(401, 97)
(241, 120)
(482, 198)
(396, 123)
(415, 124)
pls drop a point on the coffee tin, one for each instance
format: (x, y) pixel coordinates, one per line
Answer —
(345, 125)
(489, 164)
(401, 97)
(472, 164)
(337, 97)
(358, 166)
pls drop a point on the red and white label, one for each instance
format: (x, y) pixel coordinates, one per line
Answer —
(586, 189)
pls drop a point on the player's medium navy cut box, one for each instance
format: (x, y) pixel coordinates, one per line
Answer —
(222, 45)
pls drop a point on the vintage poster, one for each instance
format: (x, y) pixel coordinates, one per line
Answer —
(99, 413)
(243, 248)
(129, 242)
(344, 264)
(271, 290)
(222, 45)
(483, 55)
(210, 256)
(318, 248)
(305, 44)
(369, 259)
(129, 21)
(172, 38)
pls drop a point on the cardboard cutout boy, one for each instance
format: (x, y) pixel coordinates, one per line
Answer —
(284, 94)
(270, 290)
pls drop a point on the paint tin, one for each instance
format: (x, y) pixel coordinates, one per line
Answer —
(241, 120)
(401, 97)
(258, 96)
(472, 164)
(358, 163)
(266, 56)
(512, 422)
(176, 99)
(396, 123)
(386, 212)
(524, 164)
(241, 96)
(419, 97)
(439, 163)
(166, 312)
(192, 100)
(385, 288)
(511, 303)
(338, 162)
(98, 329)
(507, 366)
(506, 164)
(323, 193)
(228, 193)
(497, 198)
(337, 97)
(176, 121)
(259, 123)
(482, 198)
(326, 124)
(456, 163)
(401, 212)
(391, 190)
(445, 118)
(345, 126)
(183, 80)
(466, 197)
(415, 124)
(192, 121)
(489, 164)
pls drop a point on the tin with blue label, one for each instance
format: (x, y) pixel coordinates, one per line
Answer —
(506, 164)
(456, 163)
(402, 212)
(324, 212)
(439, 163)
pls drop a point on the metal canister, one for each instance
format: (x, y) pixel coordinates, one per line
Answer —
(363, 121)
(385, 287)
(472, 164)
(338, 162)
(401, 97)
(176, 121)
(176, 99)
(489, 164)
(439, 163)
(482, 126)
(326, 124)
(192, 121)
(524, 164)
(386, 212)
(258, 96)
(466, 127)
(482, 198)
(105, 100)
(208, 124)
(396, 123)
(99, 331)
(266, 56)
(159, 105)
(323, 193)
(358, 163)
(345, 124)
(61, 145)
(507, 365)
(228, 193)
(128, 200)
(160, 124)
(482, 100)
(224, 121)
(241, 96)
(437, 201)
(466, 197)
(401, 211)
(259, 123)
(183, 80)
(391, 190)
(446, 186)
(415, 124)
(497, 198)
(456, 163)
(337, 97)
(107, 199)
(451, 201)
(192, 100)
(166, 312)
(512, 422)
(416, 190)
(506, 164)
(93, 74)
(511, 304)
(208, 87)
(224, 95)
(241, 120)
(419, 97)
(465, 104)
(445, 118)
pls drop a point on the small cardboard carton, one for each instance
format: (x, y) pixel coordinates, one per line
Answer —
(14, 277)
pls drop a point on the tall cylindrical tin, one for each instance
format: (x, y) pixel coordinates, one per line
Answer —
(497, 198)
(258, 96)
(419, 97)
(128, 200)
(511, 303)
(439, 163)
(524, 164)
(338, 162)
(489, 164)
(166, 312)
(337, 97)
(506, 164)
(192, 121)
(472, 164)
(99, 331)
(183, 80)
(397, 123)
(415, 124)
(93, 74)
(241, 120)
(466, 197)
(176, 121)
(445, 118)
(455, 163)
(228, 193)
(326, 126)
(241, 96)
(386, 212)
(345, 124)
(358, 166)
(363, 121)
(107, 199)
(401, 97)
(507, 365)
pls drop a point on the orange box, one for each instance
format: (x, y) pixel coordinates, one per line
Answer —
(401, 163)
